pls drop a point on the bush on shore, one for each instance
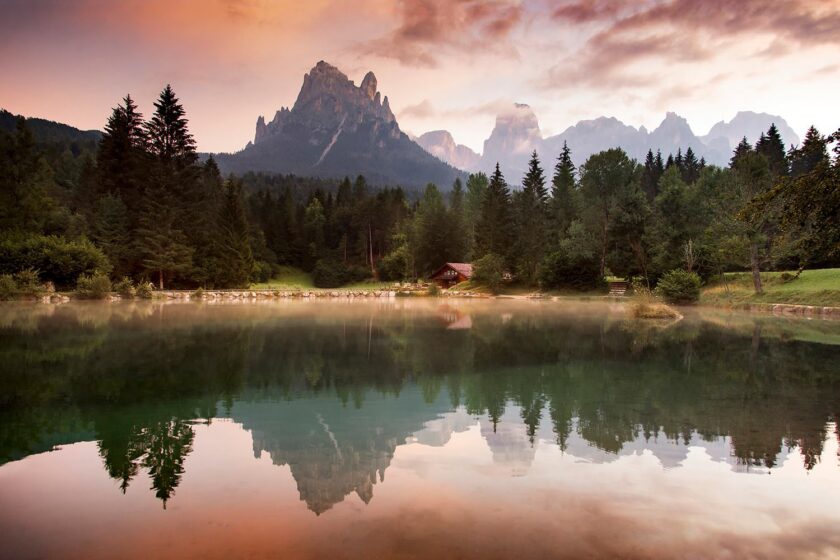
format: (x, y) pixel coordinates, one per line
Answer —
(577, 272)
(333, 273)
(125, 288)
(144, 290)
(489, 272)
(645, 309)
(56, 259)
(679, 287)
(93, 286)
(25, 283)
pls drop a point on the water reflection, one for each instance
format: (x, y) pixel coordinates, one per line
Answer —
(331, 390)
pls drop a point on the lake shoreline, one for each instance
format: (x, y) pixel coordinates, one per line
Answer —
(211, 296)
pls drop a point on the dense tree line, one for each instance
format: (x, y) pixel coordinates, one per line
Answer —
(141, 204)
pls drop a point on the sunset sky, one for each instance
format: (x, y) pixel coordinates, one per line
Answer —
(450, 64)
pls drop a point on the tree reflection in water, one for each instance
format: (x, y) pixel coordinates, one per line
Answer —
(336, 381)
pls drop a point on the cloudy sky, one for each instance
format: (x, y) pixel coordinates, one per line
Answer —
(450, 64)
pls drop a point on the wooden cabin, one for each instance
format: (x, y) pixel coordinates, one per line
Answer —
(452, 273)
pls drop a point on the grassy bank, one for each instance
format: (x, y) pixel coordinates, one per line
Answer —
(288, 279)
(294, 279)
(813, 287)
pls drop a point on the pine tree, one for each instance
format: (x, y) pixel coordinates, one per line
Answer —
(25, 204)
(812, 154)
(476, 189)
(534, 180)
(563, 203)
(531, 217)
(431, 236)
(169, 137)
(493, 230)
(670, 162)
(313, 224)
(741, 151)
(203, 214)
(163, 248)
(770, 145)
(112, 234)
(678, 161)
(459, 235)
(690, 167)
(175, 176)
(651, 175)
(121, 158)
(234, 259)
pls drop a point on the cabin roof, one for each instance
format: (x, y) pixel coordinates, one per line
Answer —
(464, 269)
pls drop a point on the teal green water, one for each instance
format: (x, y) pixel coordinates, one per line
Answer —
(415, 428)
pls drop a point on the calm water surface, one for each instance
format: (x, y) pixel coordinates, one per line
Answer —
(406, 429)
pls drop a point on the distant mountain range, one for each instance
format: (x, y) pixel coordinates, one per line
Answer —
(517, 134)
(337, 129)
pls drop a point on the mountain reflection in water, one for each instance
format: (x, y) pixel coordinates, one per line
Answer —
(332, 390)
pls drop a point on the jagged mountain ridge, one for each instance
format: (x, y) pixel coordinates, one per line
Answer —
(337, 129)
(517, 133)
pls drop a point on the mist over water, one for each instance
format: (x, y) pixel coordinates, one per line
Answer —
(405, 428)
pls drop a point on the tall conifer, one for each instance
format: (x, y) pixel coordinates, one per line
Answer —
(563, 193)
(770, 145)
(494, 227)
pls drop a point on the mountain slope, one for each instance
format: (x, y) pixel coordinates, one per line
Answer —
(336, 129)
(50, 132)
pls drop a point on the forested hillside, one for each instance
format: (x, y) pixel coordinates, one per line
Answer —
(137, 203)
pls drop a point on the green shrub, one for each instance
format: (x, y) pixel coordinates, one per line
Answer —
(578, 272)
(433, 290)
(261, 272)
(786, 277)
(93, 286)
(357, 273)
(679, 286)
(28, 283)
(329, 273)
(394, 265)
(8, 287)
(144, 290)
(198, 294)
(55, 258)
(489, 271)
(125, 288)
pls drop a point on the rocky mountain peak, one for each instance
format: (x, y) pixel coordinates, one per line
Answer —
(329, 100)
(520, 119)
(368, 86)
(515, 136)
(336, 128)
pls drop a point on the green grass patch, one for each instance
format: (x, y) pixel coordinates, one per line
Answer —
(813, 287)
(288, 278)
(368, 285)
(294, 279)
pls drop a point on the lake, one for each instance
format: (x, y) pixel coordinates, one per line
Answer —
(403, 428)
